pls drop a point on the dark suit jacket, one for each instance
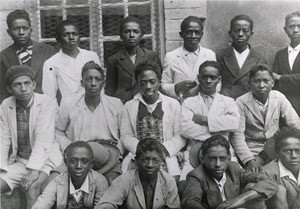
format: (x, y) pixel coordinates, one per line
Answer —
(235, 81)
(120, 80)
(202, 192)
(8, 57)
(289, 83)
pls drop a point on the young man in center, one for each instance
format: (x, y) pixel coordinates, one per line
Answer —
(218, 183)
(152, 114)
(180, 68)
(120, 80)
(237, 60)
(261, 111)
(208, 113)
(78, 187)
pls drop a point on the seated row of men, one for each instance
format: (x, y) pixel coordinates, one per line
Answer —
(27, 122)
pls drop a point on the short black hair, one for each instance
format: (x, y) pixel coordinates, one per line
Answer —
(91, 65)
(131, 19)
(260, 67)
(147, 65)
(77, 144)
(17, 14)
(293, 14)
(61, 25)
(149, 144)
(189, 19)
(285, 133)
(241, 17)
(214, 141)
(212, 64)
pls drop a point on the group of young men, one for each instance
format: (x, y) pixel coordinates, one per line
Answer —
(144, 135)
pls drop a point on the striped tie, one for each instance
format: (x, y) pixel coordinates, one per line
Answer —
(25, 54)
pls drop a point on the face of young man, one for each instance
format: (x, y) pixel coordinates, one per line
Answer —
(79, 162)
(289, 154)
(292, 29)
(149, 85)
(261, 85)
(70, 37)
(20, 32)
(216, 161)
(208, 79)
(131, 34)
(240, 33)
(149, 164)
(22, 88)
(191, 36)
(92, 82)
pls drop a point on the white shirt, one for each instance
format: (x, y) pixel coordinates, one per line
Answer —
(191, 57)
(221, 184)
(79, 192)
(64, 72)
(293, 53)
(151, 107)
(241, 57)
(283, 171)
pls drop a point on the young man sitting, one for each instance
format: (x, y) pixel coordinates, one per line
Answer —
(218, 183)
(285, 170)
(77, 187)
(148, 186)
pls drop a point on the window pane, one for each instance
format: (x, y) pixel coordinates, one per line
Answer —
(137, 0)
(111, 1)
(111, 18)
(146, 43)
(110, 48)
(49, 21)
(81, 17)
(50, 2)
(142, 12)
(84, 45)
(76, 2)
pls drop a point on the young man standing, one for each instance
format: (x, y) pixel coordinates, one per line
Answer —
(209, 113)
(145, 187)
(151, 114)
(285, 170)
(260, 110)
(90, 115)
(219, 183)
(23, 51)
(77, 187)
(237, 60)
(120, 80)
(63, 70)
(28, 147)
(287, 62)
(180, 68)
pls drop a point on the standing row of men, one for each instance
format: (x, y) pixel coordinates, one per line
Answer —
(148, 114)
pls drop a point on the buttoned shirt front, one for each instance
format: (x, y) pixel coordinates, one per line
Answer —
(262, 107)
(293, 53)
(78, 193)
(221, 184)
(241, 57)
(191, 57)
(286, 172)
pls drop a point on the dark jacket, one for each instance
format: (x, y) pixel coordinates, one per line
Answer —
(120, 80)
(235, 81)
(201, 191)
(8, 57)
(289, 83)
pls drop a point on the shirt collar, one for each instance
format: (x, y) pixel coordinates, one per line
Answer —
(261, 104)
(204, 95)
(186, 52)
(143, 101)
(29, 104)
(84, 187)
(222, 181)
(247, 50)
(283, 171)
(290, 49)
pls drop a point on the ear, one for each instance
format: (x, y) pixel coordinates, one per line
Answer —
(273, 83)
(285, 29)
(229, 32)
(180, 34)
(81, 82)
(201, 157)
(252, 33)
(121, 37)
(65, 160)
(8, 32)
(33, 84)
(92, 163)
(8, 88)
(142, 34)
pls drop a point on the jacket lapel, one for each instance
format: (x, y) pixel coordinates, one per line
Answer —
(160, 190)
(88, 199)
(250, 61)
(214, 198)
(254, 109)
(126, 62)
(230, 60)
(63, 191)
(34, 111)
(273, 102)
(11, 57)
(13, 123)
(37, 57)
(231, 190)
(139, 192)
(285, 61)
(296, 66)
